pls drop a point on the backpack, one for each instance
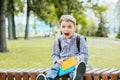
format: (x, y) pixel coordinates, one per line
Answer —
(77, 42)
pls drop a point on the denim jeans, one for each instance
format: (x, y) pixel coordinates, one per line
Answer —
(53, 73)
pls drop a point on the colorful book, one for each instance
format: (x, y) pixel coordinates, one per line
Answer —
(72, 61)
(67, 66)
(63, 72)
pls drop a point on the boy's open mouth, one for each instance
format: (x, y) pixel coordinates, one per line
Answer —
(67, 34)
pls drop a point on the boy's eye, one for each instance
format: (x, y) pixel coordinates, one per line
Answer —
(69, 26)
(63, 26)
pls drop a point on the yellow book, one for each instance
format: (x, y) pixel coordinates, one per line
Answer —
(72, 61)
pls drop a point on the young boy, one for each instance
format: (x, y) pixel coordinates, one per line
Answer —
(68, 49)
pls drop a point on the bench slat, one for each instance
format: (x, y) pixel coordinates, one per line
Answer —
(2, 76)
(10, 75)
(17, 76)
(25, 76)
(97, 74)
(88, 75)
(115, 75)
(106, 74)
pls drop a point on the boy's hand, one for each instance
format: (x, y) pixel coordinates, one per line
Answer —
(78, 59)
(60, 61)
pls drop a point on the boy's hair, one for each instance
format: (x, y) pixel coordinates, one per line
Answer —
(68, 18)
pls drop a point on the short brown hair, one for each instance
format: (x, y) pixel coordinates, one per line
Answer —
(68, 18)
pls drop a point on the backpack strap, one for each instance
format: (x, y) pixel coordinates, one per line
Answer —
(78, 42)
(59, 44)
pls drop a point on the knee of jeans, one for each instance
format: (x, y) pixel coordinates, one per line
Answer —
(56, 66)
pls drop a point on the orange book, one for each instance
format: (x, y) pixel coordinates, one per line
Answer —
(72, 61)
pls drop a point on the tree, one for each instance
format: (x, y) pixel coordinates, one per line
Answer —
(51, 10)
(3, 45)
(89, 29)
(118, 17)
(27, 20)
(11, 21)
(99, 12)
(118, 34)
(13, 7)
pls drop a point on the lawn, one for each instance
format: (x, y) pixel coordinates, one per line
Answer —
(36, 53)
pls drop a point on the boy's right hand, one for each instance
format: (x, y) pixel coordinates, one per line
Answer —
(60, 61)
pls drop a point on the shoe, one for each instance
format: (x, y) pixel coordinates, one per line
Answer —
(41, 77)
(80, 71)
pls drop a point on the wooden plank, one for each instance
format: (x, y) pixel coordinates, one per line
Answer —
(37, 71)
(88, 75)
(17, 76)
(45, 71)
(33, 76)
(64, 77)
(109, 71)
(106, 74)
(88, 69)
(97, 74)
(25, 76)
(2, 76)
(57, 78)
(115, 75)
(10, 76)
(93, 70)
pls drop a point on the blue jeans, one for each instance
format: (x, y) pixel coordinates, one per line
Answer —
(53, 73)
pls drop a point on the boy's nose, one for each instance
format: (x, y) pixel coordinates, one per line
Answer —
(66, 28)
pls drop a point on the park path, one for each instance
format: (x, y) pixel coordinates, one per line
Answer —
(106, 40)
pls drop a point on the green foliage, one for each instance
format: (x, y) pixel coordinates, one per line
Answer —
(99, 12)
(80, 18)
(92, 28)
(44, 10)
(13, 6)
(51, 10)
(102, 31)
(89, 29)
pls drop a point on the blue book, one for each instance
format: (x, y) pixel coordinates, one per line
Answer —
(64, 72)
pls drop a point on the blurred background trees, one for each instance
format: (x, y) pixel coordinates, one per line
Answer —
(50, 11)
(12, 8)
(118, 17)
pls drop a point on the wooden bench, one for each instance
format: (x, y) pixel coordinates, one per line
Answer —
(30, 74)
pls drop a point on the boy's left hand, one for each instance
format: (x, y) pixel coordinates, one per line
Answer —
(78, 59)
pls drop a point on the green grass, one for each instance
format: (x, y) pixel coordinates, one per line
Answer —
(36, 53)
(103, 54)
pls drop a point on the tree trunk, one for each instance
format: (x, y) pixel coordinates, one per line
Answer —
(10, 28)
(11, 21)
(27, 20)
(3, 46)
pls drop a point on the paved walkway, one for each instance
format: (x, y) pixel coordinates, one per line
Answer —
(107, 40)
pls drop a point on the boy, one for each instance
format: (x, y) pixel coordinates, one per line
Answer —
(68, 49)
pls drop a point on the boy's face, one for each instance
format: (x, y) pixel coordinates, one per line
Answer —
(67, 28)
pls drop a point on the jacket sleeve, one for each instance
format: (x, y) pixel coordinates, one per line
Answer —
(55, 51)
(83, 54)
